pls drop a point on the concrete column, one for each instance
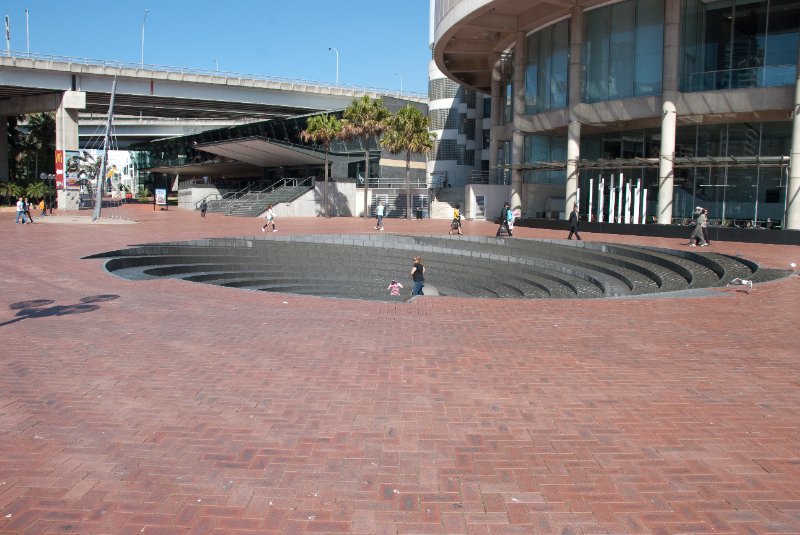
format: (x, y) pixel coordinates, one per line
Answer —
(67, 120)
(67, 139)
(518, 137)
(575, 55)
(497, 116)
(3, 148)
(573, 155)
(793, 187)
(665, 163)
(672, 42)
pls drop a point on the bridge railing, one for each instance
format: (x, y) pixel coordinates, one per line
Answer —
(215, 73)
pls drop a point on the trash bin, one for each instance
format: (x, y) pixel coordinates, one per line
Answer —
(419, 213)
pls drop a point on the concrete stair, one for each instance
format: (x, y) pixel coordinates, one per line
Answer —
(444, 202)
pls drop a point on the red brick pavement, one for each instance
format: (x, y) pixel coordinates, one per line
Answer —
(174, 407)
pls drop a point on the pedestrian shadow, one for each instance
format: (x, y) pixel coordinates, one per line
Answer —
(38, 308)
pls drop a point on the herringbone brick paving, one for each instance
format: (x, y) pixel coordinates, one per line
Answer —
(164, 406)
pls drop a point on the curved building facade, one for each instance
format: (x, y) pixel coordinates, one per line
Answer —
(635, 110)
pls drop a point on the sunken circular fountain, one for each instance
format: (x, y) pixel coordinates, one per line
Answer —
(361, 266)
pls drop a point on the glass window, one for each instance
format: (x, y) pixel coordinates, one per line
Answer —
(623, 50)
(546, 74)
(738, 44)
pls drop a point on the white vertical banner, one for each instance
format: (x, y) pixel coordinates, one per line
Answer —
(619, 202)
(636, 201)
(600, 190)
(589, 211)
(644, 206)
(628, 202)
(611, 199)
(577, 201)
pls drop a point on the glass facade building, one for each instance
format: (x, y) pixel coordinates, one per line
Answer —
(602, 88)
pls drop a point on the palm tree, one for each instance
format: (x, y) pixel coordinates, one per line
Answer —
(37, 190)
(10, 190)
(408, 132)
(365, 118)
(323, 129)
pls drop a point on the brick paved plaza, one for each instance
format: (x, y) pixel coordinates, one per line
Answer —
(166, 407)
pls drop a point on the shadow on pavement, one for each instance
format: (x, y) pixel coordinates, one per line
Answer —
(33, 308)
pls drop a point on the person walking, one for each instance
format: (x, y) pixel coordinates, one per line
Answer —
(28, 211)
(705, 228)
(20, 211)
(270, 219)
(43, 208)
(418, 276)
(574, 220)
(203, 209)
(697, 233)
(506, 220)
(456, 224)
(379, 209)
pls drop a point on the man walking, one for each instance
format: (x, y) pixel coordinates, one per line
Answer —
(506, 217)
(203, 209)
(379, 209)
(574, 220)
(20, 211)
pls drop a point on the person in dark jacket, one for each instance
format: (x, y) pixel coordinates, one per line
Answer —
(506, 215)
(574, 220)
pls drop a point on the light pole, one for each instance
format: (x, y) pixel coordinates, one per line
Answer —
(401, 80)
(337, 62)
(27, 33)
(216, 67)
(146, 11)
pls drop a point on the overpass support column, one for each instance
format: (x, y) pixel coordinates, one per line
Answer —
(3, 148)
(67, 138)
(793, 187)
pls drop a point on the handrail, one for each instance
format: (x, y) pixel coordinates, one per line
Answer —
(214, 73)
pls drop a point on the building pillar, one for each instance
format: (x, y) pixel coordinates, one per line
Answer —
(497, 116)
(666, 164)
(575, 96)
(672, 43)
(518, 137)
(573, 155)
(793, 187)
(3, 148)
(67, 139)
(575, 55)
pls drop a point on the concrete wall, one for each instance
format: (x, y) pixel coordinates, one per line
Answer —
(189, 197)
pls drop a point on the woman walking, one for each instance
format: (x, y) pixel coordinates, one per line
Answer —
(270, 219)
(456, 224)
(418, 276)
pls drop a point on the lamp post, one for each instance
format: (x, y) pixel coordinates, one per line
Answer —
(401, 80)
(216, 67)
(146, 11)
(27, 33)
(337, 62)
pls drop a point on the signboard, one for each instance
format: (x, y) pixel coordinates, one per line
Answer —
(59, 169)
(161, 197)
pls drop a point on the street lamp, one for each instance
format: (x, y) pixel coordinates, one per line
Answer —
(146, 11)
(337, 62)
(401, 80)
(216, 67)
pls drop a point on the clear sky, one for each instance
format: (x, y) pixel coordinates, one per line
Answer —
(381, 43)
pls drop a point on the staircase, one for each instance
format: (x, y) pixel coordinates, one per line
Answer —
(253, 204)
(446, 199)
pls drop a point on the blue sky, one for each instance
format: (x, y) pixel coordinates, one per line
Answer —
(381, 43)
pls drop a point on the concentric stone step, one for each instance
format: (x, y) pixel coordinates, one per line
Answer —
(361, 266)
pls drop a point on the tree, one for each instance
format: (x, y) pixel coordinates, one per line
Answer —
(322, 129)
(365, 118)
(407, 131)
(37, 190)
(10, 190)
